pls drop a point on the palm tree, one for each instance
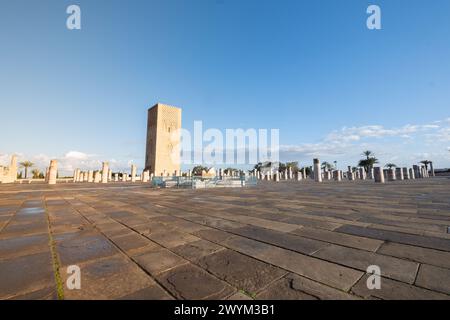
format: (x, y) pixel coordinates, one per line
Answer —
(293, 165)
(426, 163)
(326, 165)
(258, 166)
(197, 170)
(390, 165)
(26, 165)
(307, 170)
(35, 173)
(368, 154)
(369, 161)
(364, 163)
(230, 170)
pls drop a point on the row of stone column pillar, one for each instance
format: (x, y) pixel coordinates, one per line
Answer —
(377, 174)
(393, 174)
(106, 175)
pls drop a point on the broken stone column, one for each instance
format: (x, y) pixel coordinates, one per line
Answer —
(416, 171)
(133, 173)
(13, 169)
(391, 174)
(378, 175)
(421, 170)
(145, 176)
(399, 173)
(109, 175)
(277, 176)
(105, 169)
(299, 176)
(317, 173)
(97, 177)
(350, 175)
(9, 174)
(432, 173)
(405, 173)
(370, 174)
(412, 175)
(90, 176)
(362, 173)
(124, 177)
(52, 172)
(116, 177)
(337, 175)
(46, 175)
(74, 175)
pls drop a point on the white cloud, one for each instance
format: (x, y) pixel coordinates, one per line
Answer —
(76, 155)
(377, 131)
(348, 142)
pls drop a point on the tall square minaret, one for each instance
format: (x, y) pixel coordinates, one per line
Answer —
(162, 154)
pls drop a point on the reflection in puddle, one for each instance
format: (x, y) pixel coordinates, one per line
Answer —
(31, 211)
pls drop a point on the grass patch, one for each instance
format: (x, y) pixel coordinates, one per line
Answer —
(55, 259)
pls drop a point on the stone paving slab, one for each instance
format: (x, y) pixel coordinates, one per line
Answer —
(399, 237)
(423, 255)
(434, 278)
(320, 270)
(109, 278)
(396, 290)
(190, 282)
(295, 287)
(287, 240)
(391, 267)
(340, 238)
(25, 274)
(243, 272)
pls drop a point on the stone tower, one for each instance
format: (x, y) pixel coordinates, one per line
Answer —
(162, 156)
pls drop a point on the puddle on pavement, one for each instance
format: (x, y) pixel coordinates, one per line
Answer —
(31, 211)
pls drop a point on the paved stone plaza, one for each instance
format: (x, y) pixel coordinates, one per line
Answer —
(287, 240)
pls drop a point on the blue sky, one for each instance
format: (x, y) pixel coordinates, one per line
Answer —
(309, 68)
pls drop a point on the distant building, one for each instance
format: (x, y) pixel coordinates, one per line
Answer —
(162, 156)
